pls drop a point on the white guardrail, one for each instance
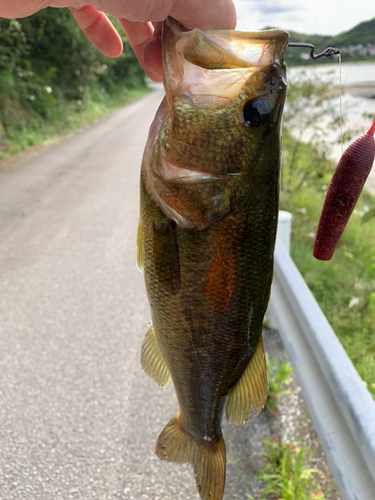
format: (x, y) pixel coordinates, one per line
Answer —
(342, 409)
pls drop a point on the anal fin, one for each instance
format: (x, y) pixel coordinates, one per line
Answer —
(208, 459)
(250, 390)
(152, 359)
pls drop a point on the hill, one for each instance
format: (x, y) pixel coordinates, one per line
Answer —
(362, 33)
(320, 41)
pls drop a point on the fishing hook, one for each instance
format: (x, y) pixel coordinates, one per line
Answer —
(330, 51)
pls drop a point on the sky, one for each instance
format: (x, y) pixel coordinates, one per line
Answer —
(322, 17)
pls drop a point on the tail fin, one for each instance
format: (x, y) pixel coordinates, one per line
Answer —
(207, 459)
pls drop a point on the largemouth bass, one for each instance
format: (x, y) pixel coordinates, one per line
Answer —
(209, 205)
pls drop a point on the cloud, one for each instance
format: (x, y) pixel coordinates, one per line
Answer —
(270, 7)
(256, 14)
(319, 16)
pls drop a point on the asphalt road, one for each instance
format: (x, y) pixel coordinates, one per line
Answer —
(78, 417)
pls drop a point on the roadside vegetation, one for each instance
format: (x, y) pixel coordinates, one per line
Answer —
(278, 377)
(53, 81)
(345, 286)
(287, 474)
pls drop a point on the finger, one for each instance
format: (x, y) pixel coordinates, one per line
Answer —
(20, 8)
(153, 59)
(209, 14)
(146, 48)
(153, 53)
(98, 29)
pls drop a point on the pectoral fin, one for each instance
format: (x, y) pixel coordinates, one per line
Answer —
(152, 360)
(249, 391)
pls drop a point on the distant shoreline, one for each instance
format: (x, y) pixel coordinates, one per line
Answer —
(363, 89)
(310, 63)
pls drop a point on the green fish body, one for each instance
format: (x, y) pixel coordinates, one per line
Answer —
(209, 205)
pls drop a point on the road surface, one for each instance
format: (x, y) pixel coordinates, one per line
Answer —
(78, 417)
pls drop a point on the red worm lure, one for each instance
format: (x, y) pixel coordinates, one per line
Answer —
(343, 192)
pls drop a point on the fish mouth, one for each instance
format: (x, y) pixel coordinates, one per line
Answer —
(213, 67)
(228, 49)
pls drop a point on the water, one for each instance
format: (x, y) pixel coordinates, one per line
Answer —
(358, 81)
(354, 104)
(351, 73)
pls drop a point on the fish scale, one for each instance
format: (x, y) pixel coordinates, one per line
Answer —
(212, 151)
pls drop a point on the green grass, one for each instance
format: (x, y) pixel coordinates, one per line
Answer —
(73, 118)
(286, 473)
(278, 376)
(345, 286)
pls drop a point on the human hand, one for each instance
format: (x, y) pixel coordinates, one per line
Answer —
(137, 17)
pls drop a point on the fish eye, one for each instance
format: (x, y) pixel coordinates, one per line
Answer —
(256, 112)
